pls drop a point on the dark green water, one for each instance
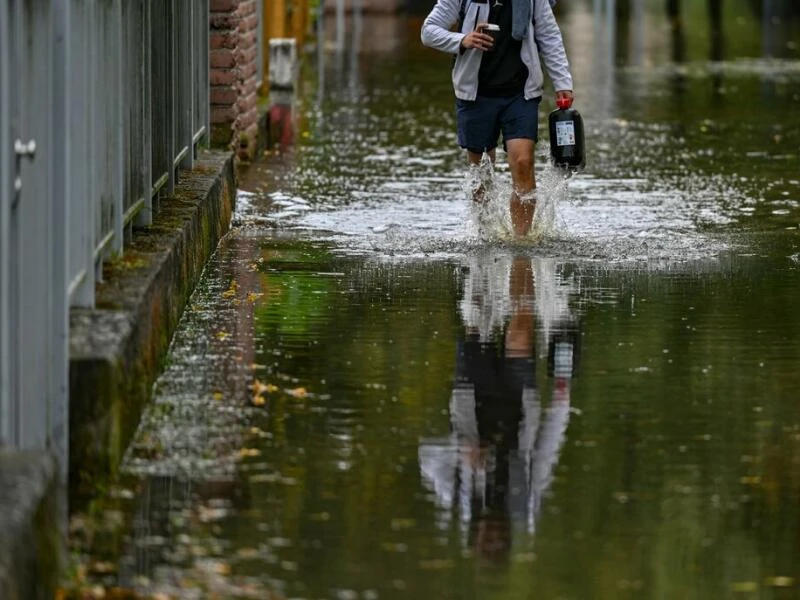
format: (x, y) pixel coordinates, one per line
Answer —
(366, 400)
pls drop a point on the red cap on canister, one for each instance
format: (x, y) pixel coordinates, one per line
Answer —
(563, 103)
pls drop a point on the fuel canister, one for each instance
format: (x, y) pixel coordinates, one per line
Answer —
(566, 137)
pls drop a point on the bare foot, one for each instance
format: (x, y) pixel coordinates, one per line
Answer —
(522, 209)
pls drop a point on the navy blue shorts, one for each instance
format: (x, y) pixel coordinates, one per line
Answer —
(481, 121)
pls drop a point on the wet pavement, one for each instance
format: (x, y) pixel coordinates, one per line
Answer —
(375, 393)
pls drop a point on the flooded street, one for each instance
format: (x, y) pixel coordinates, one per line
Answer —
(373, 397)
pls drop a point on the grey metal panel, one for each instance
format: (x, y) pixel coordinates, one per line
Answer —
(171, 89)
(81, 213)
(115, 95)
(58, 412)
(134, 86)
(6, 195)
(107, 135)
(36, 268)
(160, 92)
(201, 49)
(184, 92)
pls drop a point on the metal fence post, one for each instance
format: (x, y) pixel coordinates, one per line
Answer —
(6, 190)
(171, 86)
(81, 217)
(146, 217)
(61, 173)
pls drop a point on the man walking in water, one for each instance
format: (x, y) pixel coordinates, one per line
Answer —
(498, 82)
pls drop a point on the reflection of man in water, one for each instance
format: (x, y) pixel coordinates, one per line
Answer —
(497, 463)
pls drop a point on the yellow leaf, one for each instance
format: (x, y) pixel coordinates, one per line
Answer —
(253, 296)
(744, 586)
(231, 291)
(258, 387)
(217, 396)
(258, 401)
(780, 581)
(223, 335)
(298, 392)
(245, 452)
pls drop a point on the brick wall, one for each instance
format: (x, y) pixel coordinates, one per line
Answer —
(234, 75)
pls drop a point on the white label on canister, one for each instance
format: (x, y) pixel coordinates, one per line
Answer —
(565, 133)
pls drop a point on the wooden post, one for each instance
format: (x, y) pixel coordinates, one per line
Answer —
(274, 24)
(300, 20)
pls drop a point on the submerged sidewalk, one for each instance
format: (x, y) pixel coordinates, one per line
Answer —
(117, 351)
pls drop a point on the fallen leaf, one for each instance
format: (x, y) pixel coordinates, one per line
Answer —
(744, 586)
(231, 291)
(258, 388)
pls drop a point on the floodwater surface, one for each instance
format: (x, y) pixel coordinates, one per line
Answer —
(376, 393)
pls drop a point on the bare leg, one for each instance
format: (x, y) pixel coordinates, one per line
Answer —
(523, 204)
(479, 192)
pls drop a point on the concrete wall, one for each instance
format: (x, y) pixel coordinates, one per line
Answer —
(117, 349)
(235, 78)
(32, 553)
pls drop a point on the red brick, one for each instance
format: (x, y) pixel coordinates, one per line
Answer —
(224, 5)
(250, 85)
(223, 21)
(224, 39)
(249, 38)
(223, 95)
(248, 70)
(223, 59)
(249, 118)
(247, 55)
(246, 102)
(247, 7)
(249, 23)
(223, 76)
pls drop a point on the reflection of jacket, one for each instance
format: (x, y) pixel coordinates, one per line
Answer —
(545, 34)
(460, 483)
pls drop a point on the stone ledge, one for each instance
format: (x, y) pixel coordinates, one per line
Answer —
(32, 551)
(117, 349)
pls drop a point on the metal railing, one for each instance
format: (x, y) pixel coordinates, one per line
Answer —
(101, 103)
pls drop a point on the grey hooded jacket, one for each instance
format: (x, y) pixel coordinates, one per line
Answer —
(542, 38)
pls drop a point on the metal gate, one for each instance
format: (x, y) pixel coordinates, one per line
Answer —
(101, 103)
(33, 305)
(33, 309)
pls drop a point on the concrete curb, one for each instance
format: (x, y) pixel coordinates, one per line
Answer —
(32, 551)
(117, 349)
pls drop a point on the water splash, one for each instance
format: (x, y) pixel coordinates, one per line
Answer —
(489, 198)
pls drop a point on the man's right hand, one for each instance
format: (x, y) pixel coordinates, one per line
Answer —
(477, 39)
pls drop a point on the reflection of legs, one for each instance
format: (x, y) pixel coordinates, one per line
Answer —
(479, 189)
(519, 336)
(523, 202)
